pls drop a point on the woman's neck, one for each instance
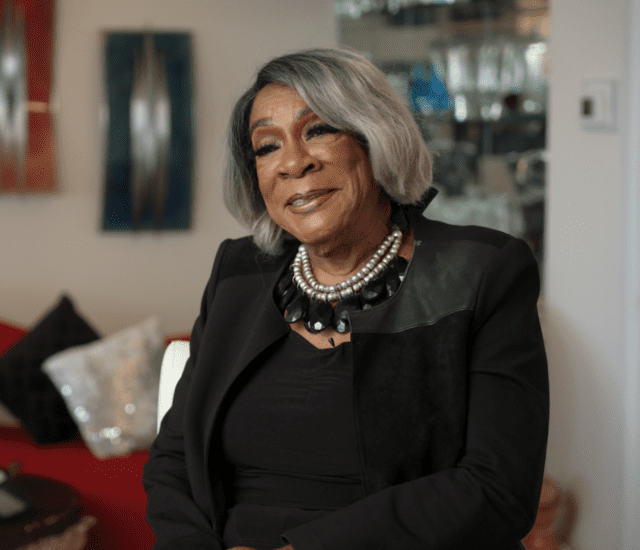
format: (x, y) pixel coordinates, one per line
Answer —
(336, 261)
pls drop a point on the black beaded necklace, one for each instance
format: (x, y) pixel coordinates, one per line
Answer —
(317, 315)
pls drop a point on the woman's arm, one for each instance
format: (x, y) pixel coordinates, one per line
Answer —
(489, 500)
(177, 521)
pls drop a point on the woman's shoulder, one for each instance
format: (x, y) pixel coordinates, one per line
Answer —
(242, 257)
(469, 247)
(426, 229)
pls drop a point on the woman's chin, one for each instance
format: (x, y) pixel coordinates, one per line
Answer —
(315, 228)
(318, 238)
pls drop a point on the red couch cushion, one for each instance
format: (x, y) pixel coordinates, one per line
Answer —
(10, 335)
(184, 337)
(109, 489)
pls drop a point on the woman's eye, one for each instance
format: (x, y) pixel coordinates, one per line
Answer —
(321, 129)
(264, 150)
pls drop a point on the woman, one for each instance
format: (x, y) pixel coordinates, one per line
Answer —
(360, 376)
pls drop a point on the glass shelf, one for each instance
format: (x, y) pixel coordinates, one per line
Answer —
(474, 75)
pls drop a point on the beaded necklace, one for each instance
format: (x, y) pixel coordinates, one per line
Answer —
(300, 297)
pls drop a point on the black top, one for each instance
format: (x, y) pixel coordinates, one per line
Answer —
(289, 434)
(451, 400)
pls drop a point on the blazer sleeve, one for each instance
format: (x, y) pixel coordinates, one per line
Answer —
(490, 499)
(176, 519)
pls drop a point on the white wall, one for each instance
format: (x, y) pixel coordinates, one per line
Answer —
(631, 482)
(50, 244)
(585, 240)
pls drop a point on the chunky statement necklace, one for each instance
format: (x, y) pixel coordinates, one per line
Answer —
(303, 276)
(300, 297)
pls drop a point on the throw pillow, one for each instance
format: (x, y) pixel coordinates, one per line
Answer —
(25, 390)
(111, 388)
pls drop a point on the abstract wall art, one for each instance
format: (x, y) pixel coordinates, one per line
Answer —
(147, 128)
(27, 151)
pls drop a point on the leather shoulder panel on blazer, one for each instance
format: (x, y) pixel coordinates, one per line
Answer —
(443, 277)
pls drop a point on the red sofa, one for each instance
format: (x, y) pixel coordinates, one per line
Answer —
(109, 489)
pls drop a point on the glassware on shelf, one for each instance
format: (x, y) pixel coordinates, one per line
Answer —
(461, 82)
(438, 66)
(512, 74)
(535, 85)
(474, 74)
(452, 164)
(487, 81)
(357, 8)
(499, 211)
(399, 80)
(529, 170)
(429, 94)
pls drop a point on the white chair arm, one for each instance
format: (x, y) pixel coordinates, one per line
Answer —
(173, 362)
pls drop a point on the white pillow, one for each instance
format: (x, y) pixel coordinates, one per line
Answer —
(110, 387)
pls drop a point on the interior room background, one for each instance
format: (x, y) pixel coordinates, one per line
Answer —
(50, 244)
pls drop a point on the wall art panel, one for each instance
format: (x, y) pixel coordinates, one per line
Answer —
(27, 145)
(147, 129)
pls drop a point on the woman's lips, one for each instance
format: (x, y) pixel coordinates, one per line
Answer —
(309, 202)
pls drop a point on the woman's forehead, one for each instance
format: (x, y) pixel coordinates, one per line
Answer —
(274, 102)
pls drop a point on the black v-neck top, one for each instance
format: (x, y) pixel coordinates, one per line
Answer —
(289, 436)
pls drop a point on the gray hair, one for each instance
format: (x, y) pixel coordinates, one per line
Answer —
(348, 92)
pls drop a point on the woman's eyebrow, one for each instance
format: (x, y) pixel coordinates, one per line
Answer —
(268, 121)
(302, 112)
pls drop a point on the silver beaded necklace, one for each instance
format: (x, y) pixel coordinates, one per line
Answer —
(383, 256)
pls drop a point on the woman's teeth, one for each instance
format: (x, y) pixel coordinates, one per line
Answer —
(300, 202)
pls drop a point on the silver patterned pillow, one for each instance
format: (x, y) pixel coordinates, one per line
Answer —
(111, 387)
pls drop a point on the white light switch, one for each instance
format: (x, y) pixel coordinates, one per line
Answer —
(597, 109)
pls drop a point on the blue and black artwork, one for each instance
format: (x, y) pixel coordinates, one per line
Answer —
(148, 131)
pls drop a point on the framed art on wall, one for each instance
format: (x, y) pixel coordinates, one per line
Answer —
(27, 144)
(147, 131)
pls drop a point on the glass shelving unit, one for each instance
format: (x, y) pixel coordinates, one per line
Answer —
(474, 75)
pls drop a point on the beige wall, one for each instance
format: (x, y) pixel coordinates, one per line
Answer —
(53, 244)
(585, 241)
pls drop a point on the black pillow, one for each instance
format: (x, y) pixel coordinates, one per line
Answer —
(26, 390)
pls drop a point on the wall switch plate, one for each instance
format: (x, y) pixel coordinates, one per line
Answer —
(598, 105)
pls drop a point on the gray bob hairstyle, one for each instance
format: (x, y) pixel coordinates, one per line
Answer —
(348, 92)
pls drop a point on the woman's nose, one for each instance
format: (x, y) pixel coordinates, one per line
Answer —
(297, 160)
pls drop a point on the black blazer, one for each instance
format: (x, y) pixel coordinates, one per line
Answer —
(450, 387)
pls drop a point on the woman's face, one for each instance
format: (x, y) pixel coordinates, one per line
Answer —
(316, 181)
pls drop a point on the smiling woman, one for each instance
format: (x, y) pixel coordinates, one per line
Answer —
(316, 181)
(360, 376)
(317, 185)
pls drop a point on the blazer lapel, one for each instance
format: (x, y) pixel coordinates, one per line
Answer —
(266, 327)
